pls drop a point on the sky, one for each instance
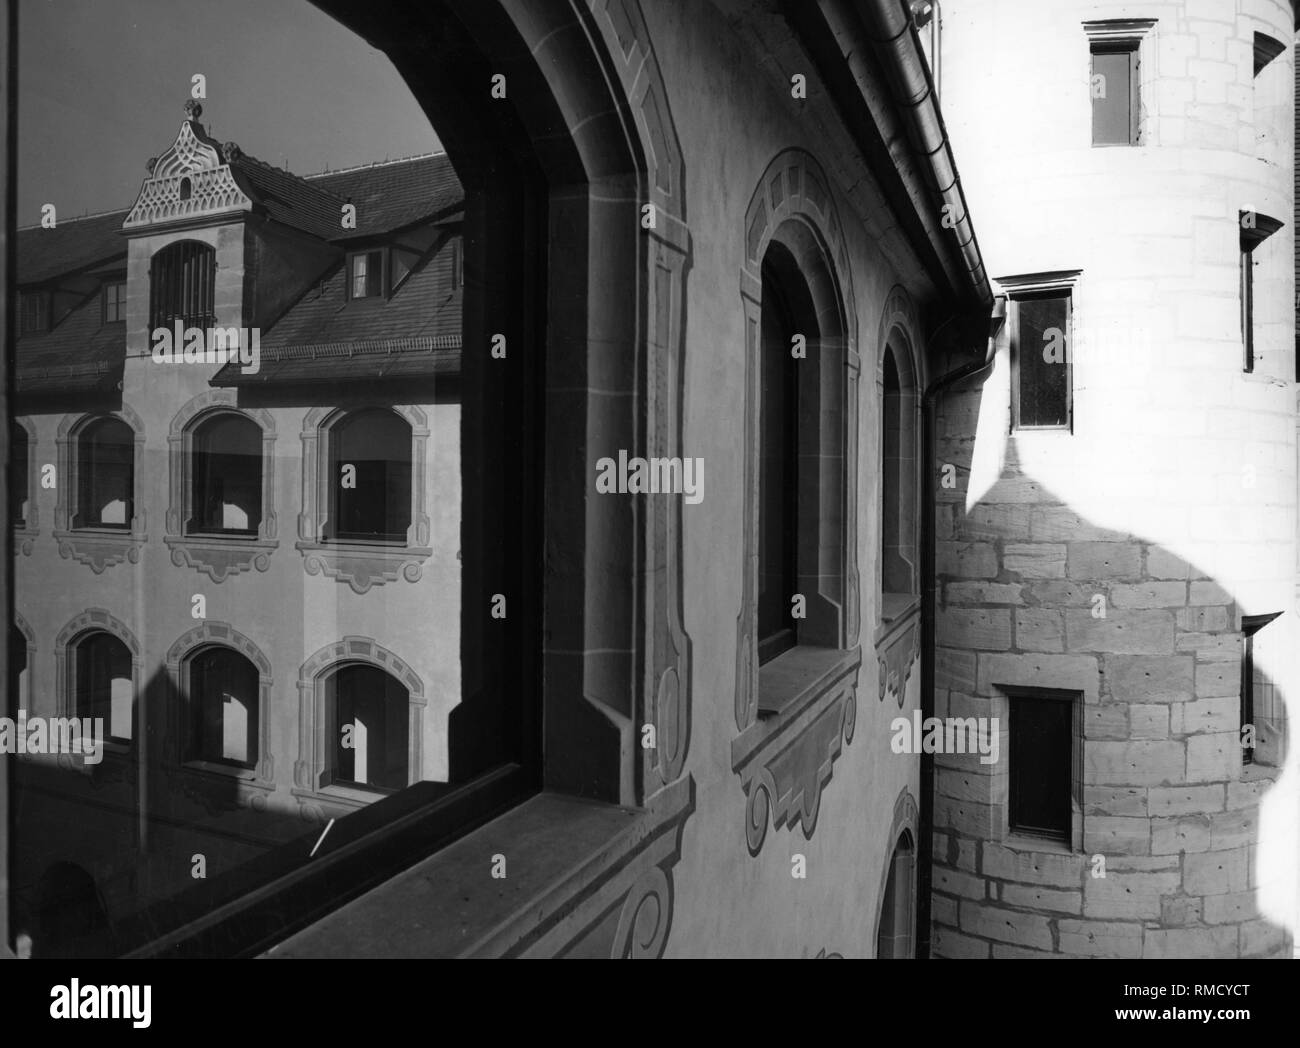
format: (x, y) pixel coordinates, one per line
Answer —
(102, 85)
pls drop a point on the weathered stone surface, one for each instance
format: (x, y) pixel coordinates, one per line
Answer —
(1105, 722)
(1149, 594)
(954, 669)
(1071, 672)
(1114, 800)
(1122, 632)
(948, 943)
(1043, 899)
(1218, 714)
(1213, 619)
(943, 910)
(1234, 829)
(1063, 524)
(983, 593)
(1158, 763)
(1116, 835)
(1178, 911)
(1148, 721)
(984, 629)
(1261, 938)
(1208, 593)
(1049, 868)
(1138, 678)
(1161, 564)
(1233, 908)
(954, 882)
(1180, 833)
(1050, 593)
(1039, 629)
(1035, 561)
(1212, 758)
(1005, 925)
(1190, 943)
(1217, 679)
(1100, 938)
(1104, 560)
(1214, 873)
(1184, 800)
(1127, 895)
(992, 522)
(966, 560)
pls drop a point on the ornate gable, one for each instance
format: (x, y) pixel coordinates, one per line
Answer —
(193, 178)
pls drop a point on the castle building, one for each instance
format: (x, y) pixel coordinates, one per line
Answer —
(660, 525)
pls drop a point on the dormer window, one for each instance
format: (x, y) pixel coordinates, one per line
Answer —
(34, 312)
(182, 285)
(186, 189)
(366, 274)
(114, 301)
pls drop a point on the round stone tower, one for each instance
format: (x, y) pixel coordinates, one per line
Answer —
(1117, 552)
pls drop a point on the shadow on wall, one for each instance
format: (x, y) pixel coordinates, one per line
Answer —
(1129, 814)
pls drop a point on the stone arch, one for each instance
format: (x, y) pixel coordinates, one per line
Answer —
(351, 650)
(214, 634)
(24, 536)
(898, 466)
(225, 556)
(92, 620)
(904, 823)
(29, 641)
(793, 205)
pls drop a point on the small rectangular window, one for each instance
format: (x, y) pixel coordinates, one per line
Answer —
(1255, 228)
(1114, 90)
(34, 312)
(1041, 749)
(1042, 355)
(1263, 714)
(114, 301)
(367, 274)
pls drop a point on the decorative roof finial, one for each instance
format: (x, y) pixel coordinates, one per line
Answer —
(193, 110)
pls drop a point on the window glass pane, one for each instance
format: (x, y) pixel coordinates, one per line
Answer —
(1112, 97)
(371, 476)
(18, 477)
(224, 707)
(1043, 352)
(105, 688)
(1040, 767)
(106, 475)
(227, 475)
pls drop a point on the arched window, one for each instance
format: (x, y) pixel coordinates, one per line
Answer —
(104, 684)
(182, 285)
(894, 937)
(366, 729)
(225, 475)
(105, 475)
(19, 478)
(369, 477)
(898, 485)
(223, 695)
(784, 292)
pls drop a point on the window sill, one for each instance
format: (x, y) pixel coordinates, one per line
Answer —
(897, 642)
(1021, 842)
(100, 548)
(363, 564)
(219, 556)
(806, 711)
(582, 877)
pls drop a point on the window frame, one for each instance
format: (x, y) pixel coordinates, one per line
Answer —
(109, 287)
(1037, 286)
(1251, 625)
(1254, 228)
(43, 311)
(1120, 35)
(383, 293)
(1071, 834)
(206, 290)
(66, 686)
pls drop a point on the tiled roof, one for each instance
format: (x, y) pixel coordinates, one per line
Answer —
(396, 194)
(290, 199)
(73, 244)
(80, 355)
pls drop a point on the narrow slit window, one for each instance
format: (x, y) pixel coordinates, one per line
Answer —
(1041, 346)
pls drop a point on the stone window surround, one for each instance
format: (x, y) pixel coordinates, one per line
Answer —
(25, 536)
(99, 548)
(794, 716)
(1061, 282)
(1141, 32)
(313, 747)
(1000, 784)
(898, 328)
(217, 556)
(904, 821)
(97, 620)
(206, 636)
(360, 564)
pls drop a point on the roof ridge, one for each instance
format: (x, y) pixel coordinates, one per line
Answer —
(79, 218)
(375, 163)
(281, 170)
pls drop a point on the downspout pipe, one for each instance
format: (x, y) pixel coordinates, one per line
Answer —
(929, 609)
(889, 25)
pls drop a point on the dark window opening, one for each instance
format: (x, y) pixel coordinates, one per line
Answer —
(223, 694)
(366, 274)
(1114, 90)
(33, 312)
(17, 668)
(367, 721)
(105, 475)
(370, 477)
(182, 285)
(1255, 228)
(1041, 748)
(895, 936)
(114, 302)
(104, 684)
(778, 479)
(1042, 350)
(226, 476)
